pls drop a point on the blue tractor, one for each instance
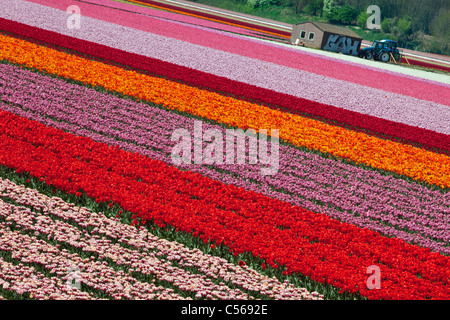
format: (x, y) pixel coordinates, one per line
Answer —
(381, 50)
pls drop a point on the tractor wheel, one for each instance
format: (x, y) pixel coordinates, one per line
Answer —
(369, 55)
(384, 57)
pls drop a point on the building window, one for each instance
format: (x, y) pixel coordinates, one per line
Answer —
(311, 36)
(302, 34)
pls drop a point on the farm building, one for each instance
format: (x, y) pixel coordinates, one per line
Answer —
(326, 36)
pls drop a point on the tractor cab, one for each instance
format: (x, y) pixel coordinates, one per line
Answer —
(381, 50)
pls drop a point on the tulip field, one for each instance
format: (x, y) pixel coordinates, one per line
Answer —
(93, 206)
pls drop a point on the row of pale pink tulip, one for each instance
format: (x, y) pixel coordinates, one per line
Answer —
(75, 269)
(25, 280)
(151, 255)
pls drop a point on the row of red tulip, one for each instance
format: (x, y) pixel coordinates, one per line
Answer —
(430, 65)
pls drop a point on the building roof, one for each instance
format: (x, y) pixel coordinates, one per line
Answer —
(331, 28)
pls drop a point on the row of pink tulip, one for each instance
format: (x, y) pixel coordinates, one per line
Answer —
(95, 274)
(185, 20)
(386, 81)
(151, 256)
(22, 279)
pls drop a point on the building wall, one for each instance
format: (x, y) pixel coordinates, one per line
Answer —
(308, 28)
(340, 43)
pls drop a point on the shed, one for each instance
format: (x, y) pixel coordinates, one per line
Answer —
(326, 36)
